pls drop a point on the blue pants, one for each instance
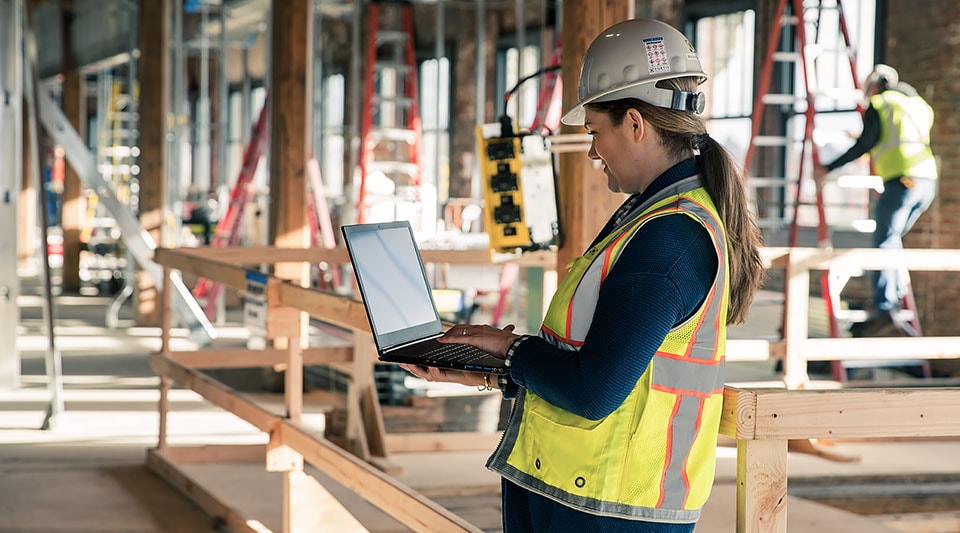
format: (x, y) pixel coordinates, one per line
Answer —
(896, 211)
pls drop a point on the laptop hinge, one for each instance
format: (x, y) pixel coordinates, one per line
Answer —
(411, 343)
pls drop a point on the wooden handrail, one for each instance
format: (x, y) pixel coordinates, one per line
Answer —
(762, 420)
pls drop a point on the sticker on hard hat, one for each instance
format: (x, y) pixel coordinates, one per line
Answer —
(657, 55)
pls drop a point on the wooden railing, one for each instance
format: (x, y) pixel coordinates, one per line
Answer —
(762, 420)
(797, 348)
(307, 506)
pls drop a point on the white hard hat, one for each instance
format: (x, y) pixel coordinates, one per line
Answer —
(627, 60)
(882, 75)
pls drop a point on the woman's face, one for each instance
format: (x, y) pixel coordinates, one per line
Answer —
(615, 147)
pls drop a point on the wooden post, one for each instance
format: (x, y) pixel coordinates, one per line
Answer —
(762, 486)
(73, 207)
(585, 200)
(154, 77)
(290, 122)
(796, 323)
(166, 297)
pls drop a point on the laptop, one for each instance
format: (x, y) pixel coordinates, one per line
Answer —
(399, 303)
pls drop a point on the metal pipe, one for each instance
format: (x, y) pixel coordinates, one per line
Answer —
(481, 75)
(52, 360)
(170, 228)
(521, 44)
(355, 100)
(222, 183)
(440, 52)
(202, 151)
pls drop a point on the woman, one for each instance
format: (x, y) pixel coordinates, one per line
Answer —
(618, 399)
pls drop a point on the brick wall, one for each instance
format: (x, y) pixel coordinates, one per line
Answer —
(922, 40)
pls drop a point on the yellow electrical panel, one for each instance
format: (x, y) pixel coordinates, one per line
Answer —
(500, 170)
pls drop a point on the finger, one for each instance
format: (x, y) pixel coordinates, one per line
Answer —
(509, 328)
(416, 370)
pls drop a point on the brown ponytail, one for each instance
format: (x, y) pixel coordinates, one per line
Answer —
(682, 134)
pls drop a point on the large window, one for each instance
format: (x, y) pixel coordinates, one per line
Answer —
(435, 143)
(513, 66)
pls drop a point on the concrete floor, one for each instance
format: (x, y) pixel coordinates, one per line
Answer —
(86, 474)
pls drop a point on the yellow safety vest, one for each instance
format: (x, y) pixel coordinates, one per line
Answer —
(904, 146)
(653, 458)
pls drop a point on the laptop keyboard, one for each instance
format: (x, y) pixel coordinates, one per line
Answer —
(455, 353)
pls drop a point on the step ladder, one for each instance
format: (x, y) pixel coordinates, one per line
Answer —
(780, 146)
(390, 132)
(117, 156)
(227, 232)
(137, 240)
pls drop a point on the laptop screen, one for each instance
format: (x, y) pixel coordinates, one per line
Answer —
(392, 282)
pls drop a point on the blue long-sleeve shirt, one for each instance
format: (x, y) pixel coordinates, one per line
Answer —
(661, 278)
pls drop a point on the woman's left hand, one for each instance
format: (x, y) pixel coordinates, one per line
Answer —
(445, 375)
(492, 340)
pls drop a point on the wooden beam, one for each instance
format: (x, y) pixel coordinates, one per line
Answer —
(268, 357)
(214, 392)
(206, 500)
(73, 207)
(337, 310)
(739, 412)
(154, 108)
(397, 500)
(232, 276)
(255, 255)
(770, 413)
(585, 200)
(290, 124)
(761, 486)
(876, 259)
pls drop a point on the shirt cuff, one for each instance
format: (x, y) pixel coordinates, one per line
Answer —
(513, 349)
(508, 386)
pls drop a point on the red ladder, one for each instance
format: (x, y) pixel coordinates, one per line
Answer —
(766, 186)
(227, 232)
(800, 15)
(391, 114)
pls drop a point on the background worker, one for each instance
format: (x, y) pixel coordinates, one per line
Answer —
(618, 399)
(896, 133)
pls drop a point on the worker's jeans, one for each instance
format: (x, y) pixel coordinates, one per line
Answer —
(896, 211)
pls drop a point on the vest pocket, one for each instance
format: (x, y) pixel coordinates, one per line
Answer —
(566, 451)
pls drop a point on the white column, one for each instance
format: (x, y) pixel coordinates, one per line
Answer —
(11, 173)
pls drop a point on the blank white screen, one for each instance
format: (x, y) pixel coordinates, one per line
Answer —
(394, 288)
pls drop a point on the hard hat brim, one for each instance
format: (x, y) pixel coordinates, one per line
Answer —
(645, 90)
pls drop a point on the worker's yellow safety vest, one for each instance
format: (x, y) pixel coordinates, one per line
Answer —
(653, 458)
(904, 145)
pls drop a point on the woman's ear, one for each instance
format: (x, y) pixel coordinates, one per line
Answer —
(634, 121)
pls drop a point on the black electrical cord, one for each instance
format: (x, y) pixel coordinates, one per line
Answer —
(506, 129)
